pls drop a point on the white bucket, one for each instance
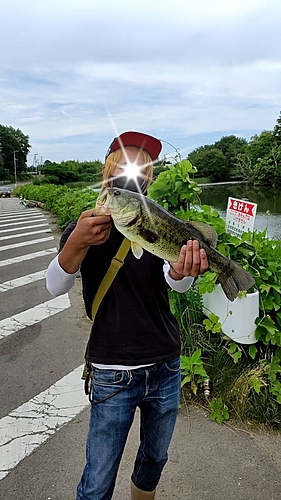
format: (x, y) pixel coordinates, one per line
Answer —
(238, 317)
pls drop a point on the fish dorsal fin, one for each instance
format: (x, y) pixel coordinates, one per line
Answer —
(136, 249)
(208, 232)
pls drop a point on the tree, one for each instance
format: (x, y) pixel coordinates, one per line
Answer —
(217, 166)
(244, 169)
(58, 174)
(14, 148)
(210, 162)
(232, 157)
(2, 173)
(231, 146)
(268, 170)
(219, 160)
(277, 131)
(198, 159)
(261, 145)
(265, 153)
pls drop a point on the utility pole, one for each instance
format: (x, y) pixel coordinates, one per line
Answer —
(15, 167)
(35, 162)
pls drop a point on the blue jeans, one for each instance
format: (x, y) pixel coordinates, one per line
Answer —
(156, 391)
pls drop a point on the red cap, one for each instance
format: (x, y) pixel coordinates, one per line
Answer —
(150, 144)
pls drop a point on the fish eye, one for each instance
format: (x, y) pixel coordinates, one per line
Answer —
(116, 192)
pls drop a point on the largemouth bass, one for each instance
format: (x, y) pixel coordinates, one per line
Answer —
(149, 226)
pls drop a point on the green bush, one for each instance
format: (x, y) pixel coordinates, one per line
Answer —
(67, 204)
(246, 380)
(256, 368)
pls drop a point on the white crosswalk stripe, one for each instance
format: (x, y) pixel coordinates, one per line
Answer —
(30, 233)
(19, 212)
(28, 227)
(23, 280)
(25, 243)
(35, 421)
(22, 217)
(39, 218)
(34, 315)
(28, 256)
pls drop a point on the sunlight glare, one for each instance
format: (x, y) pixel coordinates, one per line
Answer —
(132, 170)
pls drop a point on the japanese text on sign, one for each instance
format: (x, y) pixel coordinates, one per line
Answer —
(240, 216)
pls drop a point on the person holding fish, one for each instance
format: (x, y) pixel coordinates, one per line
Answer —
(134, 346)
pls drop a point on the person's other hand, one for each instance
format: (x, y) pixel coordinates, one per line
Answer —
(192, 261)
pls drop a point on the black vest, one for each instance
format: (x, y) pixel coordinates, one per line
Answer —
(134, 324)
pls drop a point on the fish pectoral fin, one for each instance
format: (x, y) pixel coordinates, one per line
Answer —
(208, 232)
(136, 249)
(148, 235)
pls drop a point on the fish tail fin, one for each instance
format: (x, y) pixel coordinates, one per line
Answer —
(236, 280)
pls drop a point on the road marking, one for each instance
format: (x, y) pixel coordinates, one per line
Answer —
(27, 256)
(31, 233)
(19, 321)
(38, 218)
(25, 243)
(16, 228)
(19, 212)
(23, 280)
(20, 217)
(32, 423)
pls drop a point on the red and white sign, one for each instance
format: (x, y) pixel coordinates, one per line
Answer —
(240, 216)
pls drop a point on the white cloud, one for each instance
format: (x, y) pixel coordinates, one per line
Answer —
(177, 70)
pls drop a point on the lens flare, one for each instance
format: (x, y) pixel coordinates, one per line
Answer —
(132, 170)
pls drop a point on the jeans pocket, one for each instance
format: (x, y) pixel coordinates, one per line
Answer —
(108, 383)
(173, 365)
(108, 378)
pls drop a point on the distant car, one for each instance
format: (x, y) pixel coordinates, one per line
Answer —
(5, 192)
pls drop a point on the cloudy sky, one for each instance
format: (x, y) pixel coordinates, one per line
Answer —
(73, 73)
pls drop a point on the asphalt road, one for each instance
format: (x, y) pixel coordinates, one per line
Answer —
(44, 413)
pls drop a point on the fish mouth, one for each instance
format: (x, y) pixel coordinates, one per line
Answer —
(103, 195)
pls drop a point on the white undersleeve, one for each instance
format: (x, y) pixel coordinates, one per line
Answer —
(59, 282)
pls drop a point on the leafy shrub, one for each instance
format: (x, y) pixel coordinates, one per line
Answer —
(225, 361)
(67, 204)
(246, 380)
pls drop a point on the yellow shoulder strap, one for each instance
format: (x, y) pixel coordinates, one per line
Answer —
(113, 269)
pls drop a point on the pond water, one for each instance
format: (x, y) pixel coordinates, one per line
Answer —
(268, 203)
